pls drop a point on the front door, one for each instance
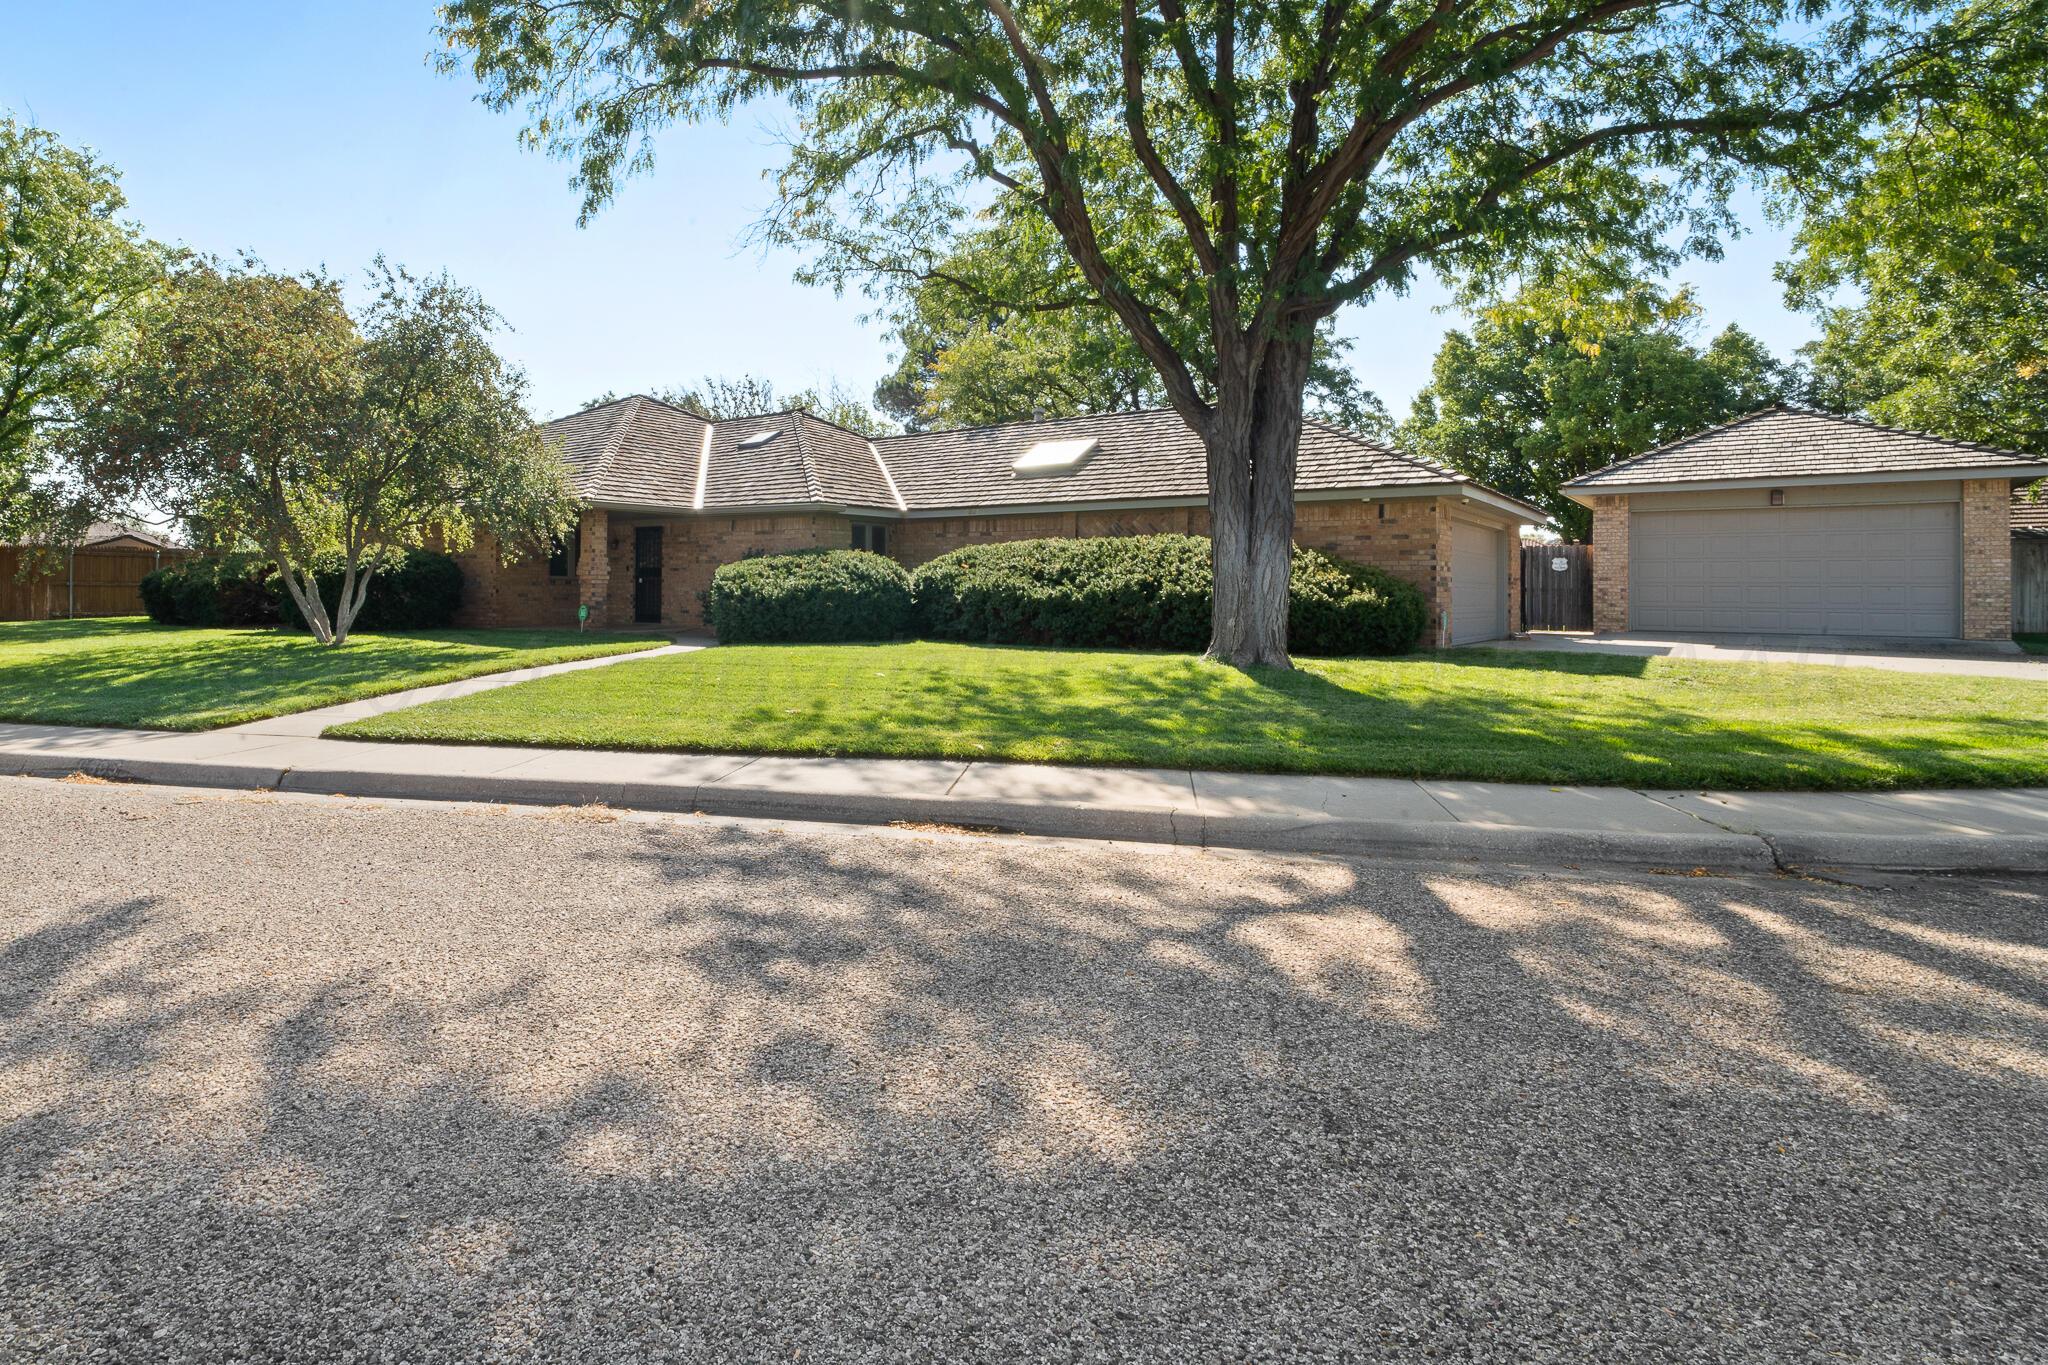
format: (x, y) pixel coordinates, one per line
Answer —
(647, 574)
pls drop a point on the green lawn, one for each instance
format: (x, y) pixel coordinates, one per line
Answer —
(127, 671)
(2033, 644)
(1477, 714)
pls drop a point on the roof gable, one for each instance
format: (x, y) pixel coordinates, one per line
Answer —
(1786, 442)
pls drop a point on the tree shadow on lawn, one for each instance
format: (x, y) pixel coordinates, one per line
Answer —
(782, 1092)
(206, 677)
(1513, 718)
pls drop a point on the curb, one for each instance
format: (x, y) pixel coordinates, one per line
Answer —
(1713, 848)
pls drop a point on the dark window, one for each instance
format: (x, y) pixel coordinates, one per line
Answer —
(860, 535)
(562, 557)
(868, 536)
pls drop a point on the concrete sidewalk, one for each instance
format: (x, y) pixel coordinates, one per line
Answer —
(1977, 831)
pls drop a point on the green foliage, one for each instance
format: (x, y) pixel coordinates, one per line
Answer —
(413, 590)
(71, 272)
(253, 407)
(812, 595)
(1148, 592)
(1555, 382)
(968, 359)
(1944, 241)
(227, 590)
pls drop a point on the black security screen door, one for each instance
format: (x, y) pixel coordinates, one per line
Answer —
(647, 573)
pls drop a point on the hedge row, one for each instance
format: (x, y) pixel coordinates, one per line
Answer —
(1122, 592)
(411, 590)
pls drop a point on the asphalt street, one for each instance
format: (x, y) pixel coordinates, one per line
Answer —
(304, 1079)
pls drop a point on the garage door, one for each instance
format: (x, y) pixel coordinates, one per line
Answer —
(1799, 570)
(1479, 583)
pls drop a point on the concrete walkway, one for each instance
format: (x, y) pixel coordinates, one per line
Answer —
(308, 724)
(1954, 657)
(1981, 831)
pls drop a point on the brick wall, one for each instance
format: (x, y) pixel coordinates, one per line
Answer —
(1610, 561)
(518, 594)
(1987, 559)
(1408, 537)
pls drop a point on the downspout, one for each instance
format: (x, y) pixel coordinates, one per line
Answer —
(71, 584)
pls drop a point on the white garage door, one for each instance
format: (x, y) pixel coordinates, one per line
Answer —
(1880, 570)
(1479, 583)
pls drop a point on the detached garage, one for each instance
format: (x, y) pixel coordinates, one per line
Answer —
(1791, 522)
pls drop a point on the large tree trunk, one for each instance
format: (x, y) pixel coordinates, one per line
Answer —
(1253, 450)
(305, 593)
(355, 588)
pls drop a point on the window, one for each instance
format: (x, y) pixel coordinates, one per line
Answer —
(758, 439)
(868, 535)
(562, 554)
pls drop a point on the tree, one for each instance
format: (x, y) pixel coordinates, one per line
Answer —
(720, 399)
(71, 271)
(1550, 385)
(255, 409)
(969, 359)
(1227, 174)
(1944, 240)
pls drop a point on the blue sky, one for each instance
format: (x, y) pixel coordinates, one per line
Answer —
(319, 134)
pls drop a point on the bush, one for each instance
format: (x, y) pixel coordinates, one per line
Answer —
(230, 590)
(812, 595)
(1149, 592)
(410, 590)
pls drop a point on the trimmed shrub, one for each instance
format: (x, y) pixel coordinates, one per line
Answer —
(411, 590)
(231, 590)
(1149, 592)
(811, 595)
(1128, 592)
(1337, 607)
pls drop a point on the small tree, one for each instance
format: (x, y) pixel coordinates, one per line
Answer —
(256, 410)
(1226, 174)
(71, 272)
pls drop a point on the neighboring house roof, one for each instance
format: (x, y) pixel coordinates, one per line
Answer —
(639, 452)
(106, 534)
(2030, 509)
(1783, 443)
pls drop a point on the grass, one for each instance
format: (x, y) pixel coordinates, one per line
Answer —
(128, 671)
(1490, 715)
(2033, 644)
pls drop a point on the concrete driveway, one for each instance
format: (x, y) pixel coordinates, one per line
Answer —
(1899, 656)
(287, 1078)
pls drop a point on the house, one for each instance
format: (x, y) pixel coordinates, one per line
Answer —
(1795, 522)
(669, 496)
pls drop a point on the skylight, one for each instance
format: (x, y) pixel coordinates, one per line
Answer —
(759, 439)
(1052, 457)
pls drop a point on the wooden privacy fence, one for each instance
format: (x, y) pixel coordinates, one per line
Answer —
(88, 583)
(1554, 597)
(2030, 585)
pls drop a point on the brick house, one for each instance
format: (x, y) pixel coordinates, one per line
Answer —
(669, 496)
(1793, 522)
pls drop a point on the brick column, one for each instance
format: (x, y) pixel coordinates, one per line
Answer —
(594, 564)
(1610, 561)
(1987, 559)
